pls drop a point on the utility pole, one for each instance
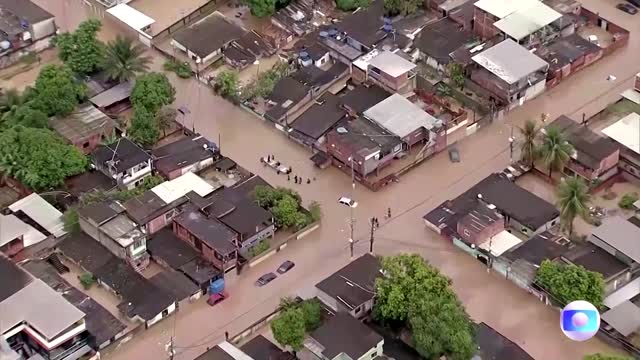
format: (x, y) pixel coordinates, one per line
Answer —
(171, 349)
(373, 227)
(351, 220)
(511, 140)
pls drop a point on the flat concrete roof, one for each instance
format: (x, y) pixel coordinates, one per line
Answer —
(131, 16)
(526, 21)
(509, 61)
(40, 211)
(400, 116)
(626, 131)
(503, 8)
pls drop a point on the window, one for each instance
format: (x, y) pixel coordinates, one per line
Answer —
(168, 216)
(138, 244)
(358, 310)
(85, 145)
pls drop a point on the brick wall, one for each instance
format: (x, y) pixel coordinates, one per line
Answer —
(483, 24)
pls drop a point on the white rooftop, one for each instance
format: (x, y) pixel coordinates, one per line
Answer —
(500, 243)
(40, 211)
(12, 228)
(388, 62)
(503, 8)
(400, 116)
(233, 351)
(620, 234)
(509, 61)
(131, 16)
(41, 308)
(170, 191)
(626, 131)
(526, 21)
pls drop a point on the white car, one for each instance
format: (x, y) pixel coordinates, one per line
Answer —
(346, 201)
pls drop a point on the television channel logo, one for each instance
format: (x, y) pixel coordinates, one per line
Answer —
(580, 320)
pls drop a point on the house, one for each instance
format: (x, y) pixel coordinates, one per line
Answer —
(107, 223)
(510, 73)
(84, 128)
(260, 348)
(25, 27)
(209, 236)
(352, 288)
(123, 161)
(297, 17)
(189, 154)
(437, 40)
(363, 145)
(247, 49)
(224, 351)
(568, 55)
(141, 301)
(390, 70)
(28, 222)
(103, 327)
(479, 225)
(362, 30)
(494, 345)
(624, 132)
(154, 209)
(313, 54)
(205, 40)
(28, 327)
(362, 97)
(595, 158)
(114, 100)
(237, 208)
(409, 122)
(614, 271)
(344, 337)
(177, 285)
(623, 320)
(522, 210)
(618, 237)
(312, 125)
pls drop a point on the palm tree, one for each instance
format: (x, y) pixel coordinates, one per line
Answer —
(555, 151)
(573, 200)
(528, 149)
(124, 59)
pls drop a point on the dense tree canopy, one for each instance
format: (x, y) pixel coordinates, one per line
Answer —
(289, 328)
(567, 283)
(227, 84)
(606, 357)
(38, 158)
(402, 7)
(415, 294)
(152, 91)
(81, 50)
(26, 116)
(350, 5)
(262, 8)
(144, 128)
(56, 91)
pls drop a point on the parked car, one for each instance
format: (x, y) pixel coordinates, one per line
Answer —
(216, 298)
(349, 202)
(628, 8)
(635, 3)
(286, 266)
(265, 279)
(454, 155)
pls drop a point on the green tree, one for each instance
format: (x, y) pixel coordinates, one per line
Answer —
(289, 328)
(312, 314)
(227, 84)
(573, 200)
(81, 50)
(148, 183)
(567, 283)
(414, 293)
(124, 59)
(599, 356)
(152, 91)
(38, 158)
(165, 118)
(10, 98)
(71, 221)
(285, 212)
(402, 7)
(529, 147)
(262, 8)
(350, 5)
(144, 128)
(56, 91)
(26, 116)
(555, 150)
(456, 74)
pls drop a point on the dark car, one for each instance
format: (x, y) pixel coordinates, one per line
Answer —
(286, 266)
(634, 2)
(265, 279)
(629, 9)
(454, 155)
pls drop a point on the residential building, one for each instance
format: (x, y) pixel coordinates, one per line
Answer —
(344, 337)
(114, 100)
(123, 161)
(224, 351)
(410, 123)
(155, 209)
(141, 301)
(618, 237)
(25, 27)
(312, 125)
(615, 272)
(205, 40)
(362, 97)
(362, 30)
(352, 288)
(625, 132)
(107, 223)
(85, 128)
(189, 154)
(313, 54)
(623, 320)
(567, 55)
(595, 157)
(494, 345)
(248, 49)
(480, 225)
(181, 289)
(260, 348)
(209, 236)
(510, 73)
(437, 40)
(390, 70)
(28, 327)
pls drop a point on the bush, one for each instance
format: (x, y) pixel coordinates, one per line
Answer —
(567, 283)
(627, 200)
(87, 280)
(315, 211)
(260, 248)
(71, 221)
(182, 69)
(350, 5)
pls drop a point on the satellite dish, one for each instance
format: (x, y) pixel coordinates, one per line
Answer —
(342, 130)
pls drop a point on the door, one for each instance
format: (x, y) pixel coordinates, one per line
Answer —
(198, 244)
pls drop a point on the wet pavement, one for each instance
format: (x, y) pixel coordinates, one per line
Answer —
(487, 297)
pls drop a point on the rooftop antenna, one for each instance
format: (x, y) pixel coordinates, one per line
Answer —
(115, 151)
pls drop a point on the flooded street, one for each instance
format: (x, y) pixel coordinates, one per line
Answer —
(488, 298)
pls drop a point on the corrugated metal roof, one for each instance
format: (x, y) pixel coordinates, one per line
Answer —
(620, 234)
(526, 21)
(509, 61)
(130, 16)
(12, 228)
(400, 116)
(170, 191)
(391, 63)
(625, 131)
(503, 8)
(625, 318)
(41, 212)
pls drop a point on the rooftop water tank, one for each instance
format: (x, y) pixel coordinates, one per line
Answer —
(216, 287)
(5, 44)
